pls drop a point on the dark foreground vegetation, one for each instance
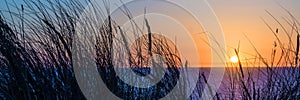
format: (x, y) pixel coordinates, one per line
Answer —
(36, 52)
(36, 57)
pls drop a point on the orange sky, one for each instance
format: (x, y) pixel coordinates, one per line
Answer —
(236, 17)
(239, 17)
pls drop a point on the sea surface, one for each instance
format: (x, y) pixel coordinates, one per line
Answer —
(229, 85)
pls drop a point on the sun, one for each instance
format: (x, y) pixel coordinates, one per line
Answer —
(234, 59)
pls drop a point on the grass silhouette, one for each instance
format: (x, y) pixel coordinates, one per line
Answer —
(36, 56)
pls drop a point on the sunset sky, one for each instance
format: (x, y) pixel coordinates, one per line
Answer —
(237, 19)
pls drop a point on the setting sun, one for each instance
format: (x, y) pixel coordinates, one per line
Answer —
(234, 59)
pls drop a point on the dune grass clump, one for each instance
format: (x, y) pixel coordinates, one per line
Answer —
(36, 50)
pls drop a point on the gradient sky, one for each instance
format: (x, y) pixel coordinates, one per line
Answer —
(239, 17)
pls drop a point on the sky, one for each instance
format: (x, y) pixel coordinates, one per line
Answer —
(237, 18)
(244, 17)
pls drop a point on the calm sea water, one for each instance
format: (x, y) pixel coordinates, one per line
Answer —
(229, 86)
(257, 77)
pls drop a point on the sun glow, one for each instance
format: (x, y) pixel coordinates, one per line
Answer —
(234, 59)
